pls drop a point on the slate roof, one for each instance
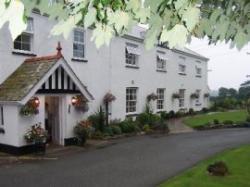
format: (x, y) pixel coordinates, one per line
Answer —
(26, 76)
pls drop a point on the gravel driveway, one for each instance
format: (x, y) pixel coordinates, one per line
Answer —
(133, 162)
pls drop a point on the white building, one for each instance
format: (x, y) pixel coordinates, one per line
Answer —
(125, 69)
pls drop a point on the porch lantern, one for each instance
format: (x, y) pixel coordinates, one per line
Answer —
(36, 101)
(74, 100)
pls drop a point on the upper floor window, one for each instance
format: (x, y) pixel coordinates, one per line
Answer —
(161, 62)
(132, 55)
(198, 71)
(78, 44)
(182, 69)
(160, 98)
(182, 98)
(1, 116)
(131, 100)
(24, 41)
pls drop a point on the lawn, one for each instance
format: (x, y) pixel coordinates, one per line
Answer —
(238, 162)
(199, 120)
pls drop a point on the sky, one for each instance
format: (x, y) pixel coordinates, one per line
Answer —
(227, 67)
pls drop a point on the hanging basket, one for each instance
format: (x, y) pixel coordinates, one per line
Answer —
(80, 103)
(152, 97)
(109, 97)
(31, 107)
(176, 96)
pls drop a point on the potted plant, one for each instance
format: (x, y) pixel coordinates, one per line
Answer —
(80, 103)
(194, 96)
(176, 96)
(152, 97)
(37, 136)
(83, 131)
(31, 107)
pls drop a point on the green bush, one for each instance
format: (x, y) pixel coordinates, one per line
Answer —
(191, 111)
(98, 135)
(115, 122)
(204, 110)
(124, 126)
(164, 115)
(228, 122)
(171, 114)
(146, 128)
(108, 131)
(216, 121)
(248, 119)
(82, 132)
(116, 129)
(143, 118)
(98, 120)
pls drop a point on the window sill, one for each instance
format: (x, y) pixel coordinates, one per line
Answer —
(161, 70)
(198, 104)
(75, 59)
(184, 74)
(132, 114)
(131, 66)
(24, 53)
(198, 76)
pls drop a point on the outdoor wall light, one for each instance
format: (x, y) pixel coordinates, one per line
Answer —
(73, 100)
(36, 101)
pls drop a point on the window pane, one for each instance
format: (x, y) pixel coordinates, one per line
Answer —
(23, 42)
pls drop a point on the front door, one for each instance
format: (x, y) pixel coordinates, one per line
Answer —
(52, 118)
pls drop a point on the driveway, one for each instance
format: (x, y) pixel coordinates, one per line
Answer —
(133, 162)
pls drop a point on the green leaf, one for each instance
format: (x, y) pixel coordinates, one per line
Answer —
(142, 14)
(119, 19)
(65, 27)
(191, 17)
(102, 34)
(133, 5)
(180, 4)
(177, 36)
(14, 15)
(90, 17)
(241, 39)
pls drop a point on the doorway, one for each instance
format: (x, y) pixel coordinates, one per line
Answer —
(53, 119)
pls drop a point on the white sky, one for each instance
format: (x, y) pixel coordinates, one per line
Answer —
(229, 67)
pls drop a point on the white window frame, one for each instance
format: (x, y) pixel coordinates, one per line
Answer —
(182, 98)
(28, 32)
(82, 43)
(182, 69)
(197, 101)
(161, 63)
(132, 59)
(160, 103)
(131, 99)
(198, 71)
(1, 115)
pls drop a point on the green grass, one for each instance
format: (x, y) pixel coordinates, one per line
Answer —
(199, 120)
(238, 162)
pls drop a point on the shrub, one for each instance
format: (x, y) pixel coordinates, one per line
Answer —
(248, 119)
(218, 169)
(98, 120)
(204, 110)
(97, 135)
(191, 111)
(147, 129)
(161, 126)
(228, 122)
(116, 129)
(164, 115)
(147, 118)
(115, 122)
(171, 114)
(83, 131)
(216, 121)
(108, 131)
(207, 124)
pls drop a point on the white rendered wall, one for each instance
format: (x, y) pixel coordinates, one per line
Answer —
(105, 70)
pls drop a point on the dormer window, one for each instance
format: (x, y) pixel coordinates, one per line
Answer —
(24, 42)
(161, 60)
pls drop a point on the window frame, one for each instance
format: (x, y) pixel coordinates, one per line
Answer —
(131, 59)
(131, 103)
(162, 63)
(182, 98)
(182, 71)
(197, 101)
(30, 35)
(160, 99)
(82, 43)
(198, 71)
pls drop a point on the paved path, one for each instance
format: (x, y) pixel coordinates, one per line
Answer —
(134, 162)
(177, 126)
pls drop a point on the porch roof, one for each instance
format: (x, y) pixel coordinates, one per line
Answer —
(31, 73)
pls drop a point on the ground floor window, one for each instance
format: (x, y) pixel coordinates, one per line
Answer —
(160, 98)
(198, 92)
(131, 99)
(182, 97)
